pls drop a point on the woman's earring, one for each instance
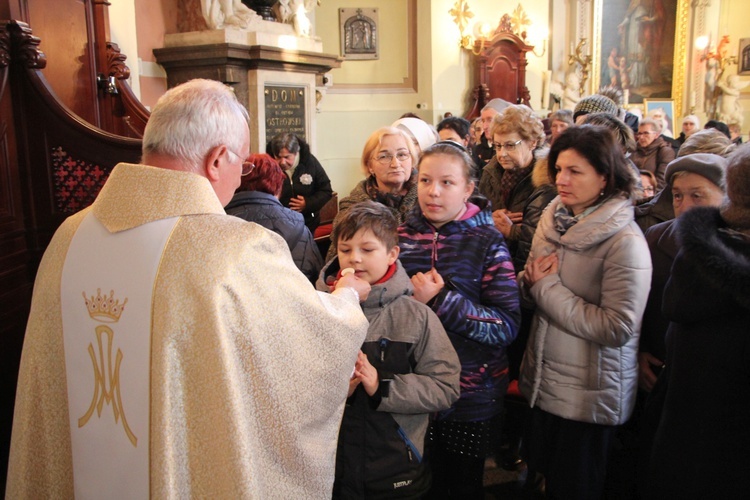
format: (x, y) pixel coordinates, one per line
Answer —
(601, 193)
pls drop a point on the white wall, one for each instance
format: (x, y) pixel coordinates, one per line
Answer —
(122, 31)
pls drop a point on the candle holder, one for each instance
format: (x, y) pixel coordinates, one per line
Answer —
(584, 61)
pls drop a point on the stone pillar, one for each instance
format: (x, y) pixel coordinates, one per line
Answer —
(274, 73)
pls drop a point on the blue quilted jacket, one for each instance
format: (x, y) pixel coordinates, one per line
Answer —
(479, 306)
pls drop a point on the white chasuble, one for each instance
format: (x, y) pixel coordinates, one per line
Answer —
(106, 297)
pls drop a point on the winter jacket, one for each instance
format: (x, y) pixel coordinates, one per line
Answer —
(655, 210)
(266, 210)
(479, 305)
(381, 441)
(489, 187)
(366, 191)
(544, 191)
(655, 157)
(581, 359)
(662, 244)
(310, 181)
(707, 405)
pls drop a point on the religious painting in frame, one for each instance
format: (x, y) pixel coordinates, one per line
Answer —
(667, 106)
(743, 67)
(640, 46)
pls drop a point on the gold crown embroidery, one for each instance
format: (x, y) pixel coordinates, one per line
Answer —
(103, 308)
(106, 380)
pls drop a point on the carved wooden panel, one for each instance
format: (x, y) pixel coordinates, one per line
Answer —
(64, 28)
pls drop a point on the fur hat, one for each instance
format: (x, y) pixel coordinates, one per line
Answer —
(736, 209)
(595, 103)
(712, 167)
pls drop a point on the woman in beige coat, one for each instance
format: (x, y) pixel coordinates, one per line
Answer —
(588, 274)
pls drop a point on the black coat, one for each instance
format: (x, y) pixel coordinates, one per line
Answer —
(701, 445)
(310, 181)
(266, 210)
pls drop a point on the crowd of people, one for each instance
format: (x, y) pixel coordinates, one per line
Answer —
(602, 267)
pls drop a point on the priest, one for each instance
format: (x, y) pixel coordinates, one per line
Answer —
(174, 351)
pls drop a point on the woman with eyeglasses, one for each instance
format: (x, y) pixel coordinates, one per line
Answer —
(517, 202)
(388, 162)
(653, 152)
(257, 200)
(588, 274)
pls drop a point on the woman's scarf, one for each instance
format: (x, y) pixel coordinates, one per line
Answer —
(510, 179)
(564, 218)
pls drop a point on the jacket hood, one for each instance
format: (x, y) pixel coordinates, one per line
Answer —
(601, 224)
(380, 295)
(540, 175)
(720, 254)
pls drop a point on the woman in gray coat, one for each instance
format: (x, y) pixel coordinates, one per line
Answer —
(588, 274)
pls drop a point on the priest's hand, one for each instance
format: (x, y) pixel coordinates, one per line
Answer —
(359, 285)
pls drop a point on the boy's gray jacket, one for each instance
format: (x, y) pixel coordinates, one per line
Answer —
(398, 321)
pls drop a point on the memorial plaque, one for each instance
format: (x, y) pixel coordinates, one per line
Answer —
(285, 111)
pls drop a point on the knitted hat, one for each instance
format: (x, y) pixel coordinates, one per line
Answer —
(712, 167)
(595, 103)
(736, 209)
(419, 130)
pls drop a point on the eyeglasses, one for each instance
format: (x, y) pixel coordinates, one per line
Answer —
(638, 134)
(648, 190)
(508, 146)
(247, 166)
(387, 158)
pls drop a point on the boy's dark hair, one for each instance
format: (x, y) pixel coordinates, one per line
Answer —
(459, 125)
(368, 215)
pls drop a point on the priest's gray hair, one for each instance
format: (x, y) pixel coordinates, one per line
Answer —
(191, 119)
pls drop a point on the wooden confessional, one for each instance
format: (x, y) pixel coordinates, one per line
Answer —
(67, 116)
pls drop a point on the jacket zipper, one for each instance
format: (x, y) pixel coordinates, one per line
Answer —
(495, 321)
(383, 347)
(434, 248)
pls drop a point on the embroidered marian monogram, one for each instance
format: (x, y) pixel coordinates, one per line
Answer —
(106, 379)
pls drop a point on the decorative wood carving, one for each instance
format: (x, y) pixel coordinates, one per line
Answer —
(501, 69)
(26, 46)
(116, 62)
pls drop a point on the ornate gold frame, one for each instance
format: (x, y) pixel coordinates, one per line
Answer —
(679, 70)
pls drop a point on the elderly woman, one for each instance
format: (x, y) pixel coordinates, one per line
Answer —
(306, 187)
(707, 300)
(389, 161)
(257, 200)
(659, 208)
(653, 152)
(518, 135)
(559, 121)
(588, 273)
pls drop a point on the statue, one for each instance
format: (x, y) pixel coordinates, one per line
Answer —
(220, 14)
(572, 93)
(731, 110)
(294, 12)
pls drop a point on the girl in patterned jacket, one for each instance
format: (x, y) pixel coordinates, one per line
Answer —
(461, 268)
